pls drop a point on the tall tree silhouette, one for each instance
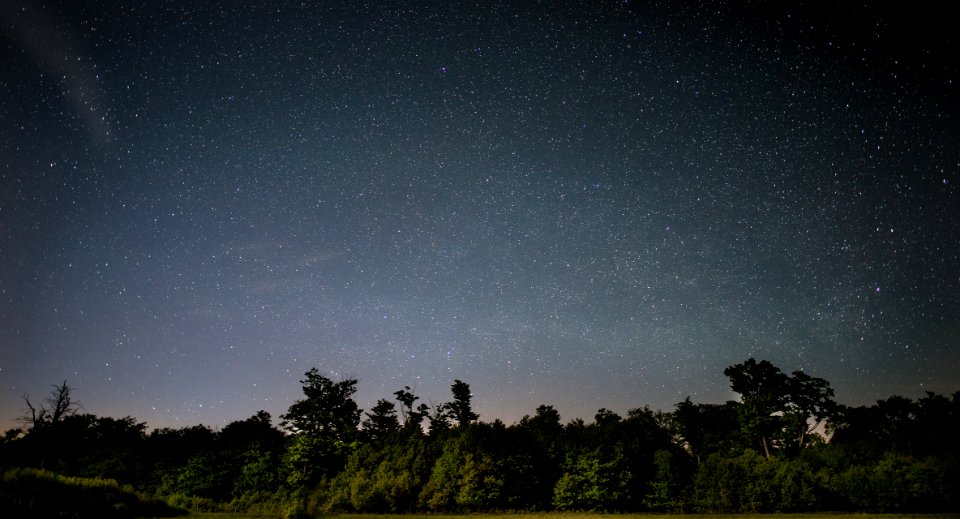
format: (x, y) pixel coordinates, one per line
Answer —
(412, 417)
(325, 424)
(779, 410)
(460, 408)
(57, 406)
(381, 421)
(764, 390)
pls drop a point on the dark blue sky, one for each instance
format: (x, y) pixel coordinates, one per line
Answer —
(579, 206)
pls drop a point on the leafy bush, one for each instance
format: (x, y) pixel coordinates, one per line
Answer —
(29, 492)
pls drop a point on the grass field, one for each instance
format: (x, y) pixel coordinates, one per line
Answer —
(560, 515)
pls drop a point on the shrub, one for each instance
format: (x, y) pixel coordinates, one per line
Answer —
(28, 492)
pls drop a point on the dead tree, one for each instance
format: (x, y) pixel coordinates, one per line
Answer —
(54, 408)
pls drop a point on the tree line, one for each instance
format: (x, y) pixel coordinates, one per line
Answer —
(784, 446)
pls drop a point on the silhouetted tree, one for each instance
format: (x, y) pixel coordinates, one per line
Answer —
(606, 418)
(764, 391)
(757, 455)
(57, 406)
(412, 417)
(776, 409)
(810, 404)
(439, 417)
(460, 409)
(381, 421)
(112, 448)
(544, 428)
(708, 428)
(325, 423)
(249, 451)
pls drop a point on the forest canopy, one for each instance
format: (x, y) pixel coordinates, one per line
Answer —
(784, 446)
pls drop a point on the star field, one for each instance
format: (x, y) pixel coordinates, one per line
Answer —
(578, 206)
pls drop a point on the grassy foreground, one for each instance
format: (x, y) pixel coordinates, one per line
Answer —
(37, 493)
(583, 515)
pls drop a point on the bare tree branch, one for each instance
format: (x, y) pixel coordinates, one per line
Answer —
(54, 408)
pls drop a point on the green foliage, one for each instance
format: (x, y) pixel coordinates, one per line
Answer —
(412, 417)
(754, 456)
(485, 467)
(798, 488)
(203, 475)
(753, 483)
(298, 464)
(258, 474)
(328, 411)
(706, 429)
(665, 494)
(896, 483)
(168, 451)
(594, 481)
(381, 421)
(532, 461)
(439, 418)
(927, 427)
(441, 490)
(325, 424)
(481, 482)
(778, 412)
(241, 459)
(382, 479)
(27, 493)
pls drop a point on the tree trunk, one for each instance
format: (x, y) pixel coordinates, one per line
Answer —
(766, 450)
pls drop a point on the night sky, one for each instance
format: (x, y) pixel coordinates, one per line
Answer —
(583, 206)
